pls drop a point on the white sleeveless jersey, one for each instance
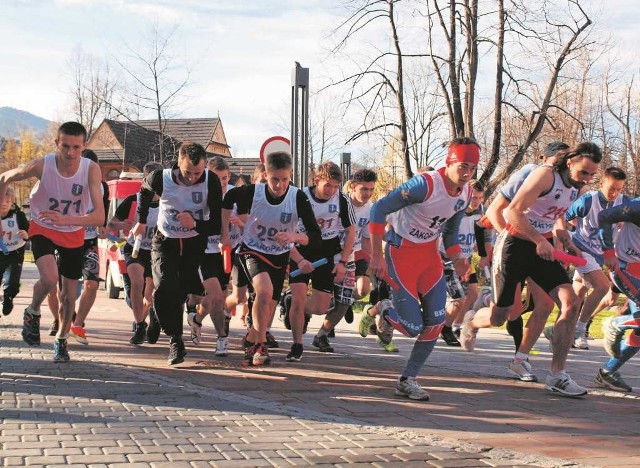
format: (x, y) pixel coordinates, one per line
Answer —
(150, 229)
(266, 220)
(627, 244)
(10, 237)
(66, 195)
(235, 234)
(467, 233)
(177, 198)
(91, 232)
(586, 233)
(327, 215)
(549, 207)
(362, 215)
(422, 222)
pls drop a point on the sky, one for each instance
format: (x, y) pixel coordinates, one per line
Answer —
(241, 52)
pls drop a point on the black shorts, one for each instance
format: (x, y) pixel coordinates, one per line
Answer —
(212, 267)
(322, 278)
(254, 263)
(361, 267)
(90, 261)
(516, 259)
(144, 259)
(70, 261)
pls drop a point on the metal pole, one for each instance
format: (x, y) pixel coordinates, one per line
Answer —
(300, 124)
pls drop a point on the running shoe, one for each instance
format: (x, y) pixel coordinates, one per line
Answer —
(296, 352)
(153, 330)
(60, 352)
(140, 334)
(191, 309)
(389, 347)
(53, 331)
(366, 321)
(449, 337)
(612, 337)
(411, 389)
(31, 327)
(272, 343)
(581, 341)
(222, 346)
(548, 334)
(322, 343)
(177, 351)
(384, 328)
(612, 380)
(348, 315)
(261, 355)
(7, 305)
(563, 385)
(79, 334)
(249, 351)
(468, 334)
(484, 298)
(196, 328)
(522, 370)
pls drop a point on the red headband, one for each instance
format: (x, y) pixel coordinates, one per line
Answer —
(469, 153)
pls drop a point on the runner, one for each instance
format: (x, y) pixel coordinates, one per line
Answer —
(623, 261)
(14, 227)
(524, 250)
(214, 279)
(332, 209)
(585, 211)
(189, 212)
(90, 264)
(273, 211)
(140, 282)
(419, 212)
(356, 283)
(69, 186)
(463, 291)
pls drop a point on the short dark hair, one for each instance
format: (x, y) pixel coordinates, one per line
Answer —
(477, 185)
(464, 141)
(194, 151)
(218, 163)
(278, 160)
(364, 175)
(150, 167)
(90, 154)
(615, 173)
(552, 148)
(73, 129)
(586, 149)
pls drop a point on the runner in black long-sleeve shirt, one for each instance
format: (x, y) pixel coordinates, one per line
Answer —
(269, 235)
(189, 212)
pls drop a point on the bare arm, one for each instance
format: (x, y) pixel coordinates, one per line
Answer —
(495, 212)
(536, 184)
(30, 169)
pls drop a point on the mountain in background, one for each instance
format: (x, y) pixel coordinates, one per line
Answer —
(13, 121)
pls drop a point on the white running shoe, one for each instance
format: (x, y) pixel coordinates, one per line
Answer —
(196, 328)
(484, 298)
(468, 334)
(411, 389)
(522, 370)
(563, 385)
(384, 328)
(222, 346)
(581, 341)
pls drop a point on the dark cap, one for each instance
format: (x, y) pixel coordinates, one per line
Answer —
(553, 147)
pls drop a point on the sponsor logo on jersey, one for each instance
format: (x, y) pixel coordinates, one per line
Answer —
(76, 189)
(459, 205)
(11, 223)
(333, 208)
(197, 197)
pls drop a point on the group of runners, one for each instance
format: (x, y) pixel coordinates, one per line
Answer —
(189, 234)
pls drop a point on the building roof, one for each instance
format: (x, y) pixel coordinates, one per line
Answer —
(241, 167)
(196, 130)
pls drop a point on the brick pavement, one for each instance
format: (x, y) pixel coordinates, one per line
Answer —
(121, 404)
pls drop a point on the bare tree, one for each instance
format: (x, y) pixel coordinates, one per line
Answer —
(623, 112)
(159, 81)
(93, 88)
(377, 87)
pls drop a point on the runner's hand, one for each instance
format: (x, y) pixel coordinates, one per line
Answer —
(339, 270)
(186, 220)
(545, 250)
(378, 266)
(22, 233)
(305, 266)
